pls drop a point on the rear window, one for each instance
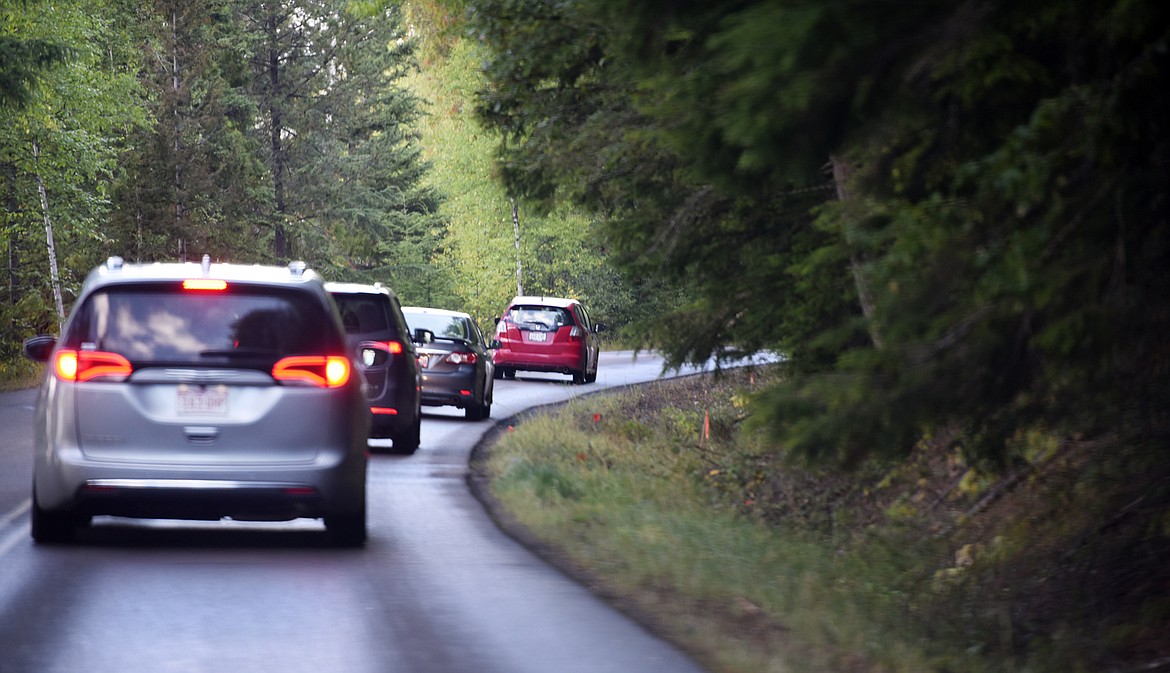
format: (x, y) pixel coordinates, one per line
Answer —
(440, 325)
(363, 313)
(539, 318)
(168, 325)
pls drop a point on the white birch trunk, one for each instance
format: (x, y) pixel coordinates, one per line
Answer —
(516, 238)
(54, 276)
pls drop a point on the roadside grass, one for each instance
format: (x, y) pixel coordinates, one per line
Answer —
(660, 499)
(19, 373)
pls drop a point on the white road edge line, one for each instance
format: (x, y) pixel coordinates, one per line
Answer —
(14, 538)
(17, 535)
(16, 513)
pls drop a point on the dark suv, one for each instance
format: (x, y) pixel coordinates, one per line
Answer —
(380, 342)
(188, 391)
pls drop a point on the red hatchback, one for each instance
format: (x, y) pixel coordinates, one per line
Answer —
(547, 334)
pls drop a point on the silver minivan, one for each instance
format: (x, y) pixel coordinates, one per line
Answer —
(199, 391)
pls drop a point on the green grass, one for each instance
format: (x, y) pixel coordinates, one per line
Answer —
(755, 565)
(18, 374)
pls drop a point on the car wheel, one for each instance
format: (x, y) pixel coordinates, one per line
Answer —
(509, 373)
(578, 378)
(50, 527)
(473, 411)
(347, 530)
(591, 377)
(409, 441)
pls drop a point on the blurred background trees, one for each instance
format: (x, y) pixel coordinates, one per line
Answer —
(945, 214)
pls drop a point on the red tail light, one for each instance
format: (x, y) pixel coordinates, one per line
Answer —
(72, 365)
(461, 358)
(376, 353)
(204, 285)
(323, 371)
(384, 411)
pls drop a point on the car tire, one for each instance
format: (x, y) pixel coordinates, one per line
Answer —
(478, 412)
(409, 441)
(591, 377)
(347, 530)
(473, 411)
(508, 373)
(578, 378)
(53, 527)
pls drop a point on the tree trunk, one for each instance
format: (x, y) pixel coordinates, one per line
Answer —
(178, 118)
(841, 174)
(55, 278)
(13, 205)
(279, 241)
(516, 239)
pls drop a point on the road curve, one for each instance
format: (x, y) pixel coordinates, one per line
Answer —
(439, 588)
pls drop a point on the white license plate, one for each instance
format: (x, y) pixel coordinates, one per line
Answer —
(210, 401)
(537, 336)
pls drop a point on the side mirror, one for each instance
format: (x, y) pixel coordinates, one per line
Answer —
(599, 327)
(39, 347)
(423, 337)
(494, 344)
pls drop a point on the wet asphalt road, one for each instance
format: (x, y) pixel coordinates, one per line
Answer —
(438, 588)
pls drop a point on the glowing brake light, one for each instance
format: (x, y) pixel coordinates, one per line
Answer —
(205, 284)
(461, 358)
(79, 366)
(323, 371)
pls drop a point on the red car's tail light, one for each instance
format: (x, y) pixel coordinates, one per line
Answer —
(461, 358)
(204, 285)
(323, 371)
(576, 332)
(72, 365)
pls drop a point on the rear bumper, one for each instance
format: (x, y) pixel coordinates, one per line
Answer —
(439, 389)
(562, 363)
(200, 500)
(333, 484)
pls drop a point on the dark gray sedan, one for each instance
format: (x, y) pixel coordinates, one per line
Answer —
(457, 367)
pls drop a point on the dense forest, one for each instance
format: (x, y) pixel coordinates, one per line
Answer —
(948, 216)
(253, 132)
(951, 216)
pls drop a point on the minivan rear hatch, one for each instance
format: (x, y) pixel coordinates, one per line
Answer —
(193, 376)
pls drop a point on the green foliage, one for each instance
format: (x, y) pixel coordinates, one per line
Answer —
(66, 138)
(559, 251)
(989, 254)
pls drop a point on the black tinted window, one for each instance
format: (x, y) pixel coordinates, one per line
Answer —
(168, 325)
(363, 313)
